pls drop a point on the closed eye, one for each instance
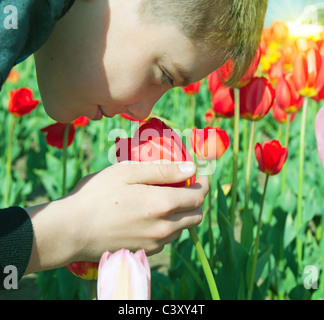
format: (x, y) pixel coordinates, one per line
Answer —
(167, 80)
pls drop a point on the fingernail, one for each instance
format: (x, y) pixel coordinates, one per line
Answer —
(187, 167)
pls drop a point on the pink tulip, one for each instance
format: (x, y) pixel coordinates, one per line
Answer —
(124, 276)
(319, 132)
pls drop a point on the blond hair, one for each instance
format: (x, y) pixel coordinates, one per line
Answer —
(234, 25)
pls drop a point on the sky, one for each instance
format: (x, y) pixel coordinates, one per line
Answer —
(286, 10)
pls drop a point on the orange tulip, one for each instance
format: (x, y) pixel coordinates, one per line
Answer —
(280, 115)
(256, 99)
(271, 157)
(287, 96)
(209, 143)
(279, 31)
(309, 73)
(21, 102)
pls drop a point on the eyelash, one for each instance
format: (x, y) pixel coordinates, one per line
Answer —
(166, 80)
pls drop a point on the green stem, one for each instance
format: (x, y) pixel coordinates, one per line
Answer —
(9, 161)
(279, 132)
(245, 139)
(257, 242)
(283, 184)
(236, 144)
(206, 267)
(102, 140)
(299, 243)
(66, 134)
(210, 230)
(93, 289)
(248, 166)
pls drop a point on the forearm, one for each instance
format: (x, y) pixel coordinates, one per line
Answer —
(54, 233)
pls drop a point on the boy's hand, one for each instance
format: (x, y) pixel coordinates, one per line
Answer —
(122, 208)
(118, 207)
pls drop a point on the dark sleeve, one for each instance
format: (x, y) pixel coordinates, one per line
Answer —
(16, 240)
(36, 20)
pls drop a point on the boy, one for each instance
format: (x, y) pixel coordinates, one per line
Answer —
(108, 57)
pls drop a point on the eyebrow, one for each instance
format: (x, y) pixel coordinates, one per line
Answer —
(182, 73)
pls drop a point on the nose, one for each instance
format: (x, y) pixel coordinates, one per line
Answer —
(142, 109)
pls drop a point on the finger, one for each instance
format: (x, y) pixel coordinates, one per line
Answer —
(186, 198)
(186, 220)
(157, 172)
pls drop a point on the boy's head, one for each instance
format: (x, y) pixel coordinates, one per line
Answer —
(232, 27)
(115, 56)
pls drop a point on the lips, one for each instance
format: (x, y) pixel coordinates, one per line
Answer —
(98, 115)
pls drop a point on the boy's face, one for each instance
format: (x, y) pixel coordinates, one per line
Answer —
(102, 59)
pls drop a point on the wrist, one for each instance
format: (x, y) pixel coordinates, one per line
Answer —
(55, 235)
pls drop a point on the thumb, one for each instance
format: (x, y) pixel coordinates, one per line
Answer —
(157, 172)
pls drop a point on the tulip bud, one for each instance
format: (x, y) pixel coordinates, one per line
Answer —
(271, 157)
(124, 276)
(256, 99)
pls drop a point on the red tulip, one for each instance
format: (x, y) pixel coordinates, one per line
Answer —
(226, 70)
(192, 88)
(280, 115)
(21, 102)
(209, 143)
(271, 157)
(55, 134)
(213, 82)
(84, 269)
(287, 96)
(82, 121)
(153, 141)
(256, 99)
(309, 73)
(223, 102)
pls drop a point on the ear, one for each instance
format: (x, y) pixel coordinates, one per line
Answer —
(319, 132)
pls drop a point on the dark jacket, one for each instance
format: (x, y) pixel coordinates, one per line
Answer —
(34, 22)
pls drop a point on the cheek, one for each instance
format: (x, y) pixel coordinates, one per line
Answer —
(127, 87)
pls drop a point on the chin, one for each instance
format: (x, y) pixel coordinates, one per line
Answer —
(59, 117)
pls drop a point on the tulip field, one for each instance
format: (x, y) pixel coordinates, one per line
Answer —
(261, 145)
